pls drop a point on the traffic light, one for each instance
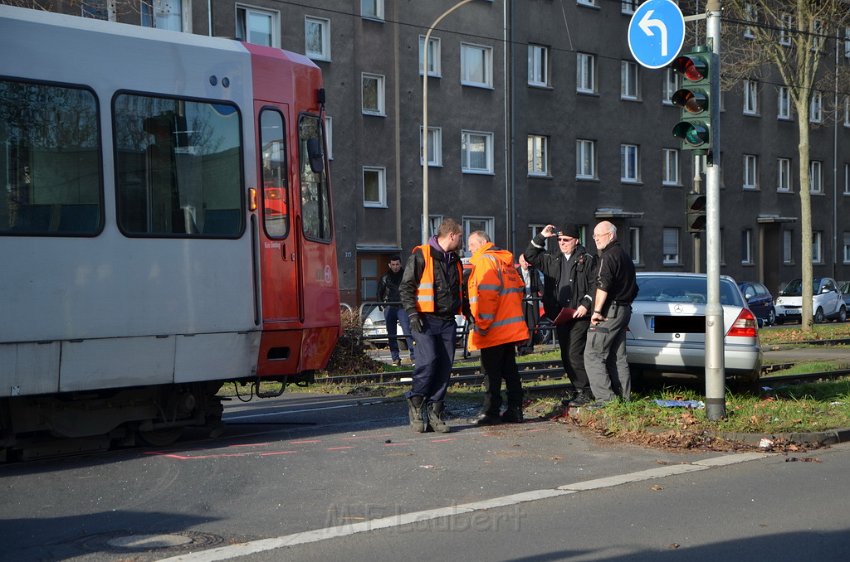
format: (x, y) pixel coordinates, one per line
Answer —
(694, 97)
(696, 212)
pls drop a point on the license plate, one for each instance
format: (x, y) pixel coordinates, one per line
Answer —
(678, 324)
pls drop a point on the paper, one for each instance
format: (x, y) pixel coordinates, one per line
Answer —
(566, 315)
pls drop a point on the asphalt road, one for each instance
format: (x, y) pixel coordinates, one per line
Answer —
(304, 463)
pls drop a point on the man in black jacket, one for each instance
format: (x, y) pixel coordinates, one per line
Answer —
(432, 294)
(394, 314)
(568, 282)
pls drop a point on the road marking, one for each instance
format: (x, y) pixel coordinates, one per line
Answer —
(316, 535)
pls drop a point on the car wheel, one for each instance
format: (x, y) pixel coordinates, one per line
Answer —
(771, 317)
(842, 315)
(819, 317)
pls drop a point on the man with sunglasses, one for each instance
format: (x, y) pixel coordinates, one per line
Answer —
(568, 282)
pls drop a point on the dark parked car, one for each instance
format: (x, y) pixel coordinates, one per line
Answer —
(760, 301)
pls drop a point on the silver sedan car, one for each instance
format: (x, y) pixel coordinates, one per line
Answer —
(667, 329)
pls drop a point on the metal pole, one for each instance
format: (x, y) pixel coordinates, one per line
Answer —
(715, 380)
(425, 221)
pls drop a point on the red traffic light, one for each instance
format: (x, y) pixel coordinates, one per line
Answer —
(691, 67)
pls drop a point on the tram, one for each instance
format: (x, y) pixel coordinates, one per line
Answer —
(165, 227)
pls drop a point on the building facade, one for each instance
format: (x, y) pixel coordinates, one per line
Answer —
(537, 114)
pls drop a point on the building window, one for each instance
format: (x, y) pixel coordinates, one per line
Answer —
(817, 246)
(476, 152)
(476, 65)
(817, 35)
(329, 136)
(374, 187)
(434, 222)
(259, 27)
(629, 163)
(372, 93)
(751, 171)
(585, 159)
(95, 9)
(585, 73)
(816, 108)
(847, 42)
(846, 179)
(783, 102)
(846, 246)
(434, 68)
(816, 176)
(783, 175)
(591, 3)
(747, 246)
(435, 146)
(164, 14)
(847, 111)
(471, 224)
(670, 167)
(629, 77)
(628, 6)
(750, 15)
(670, 246)
(787, 249)
(372, 9)
(785, 31)
(751, 97)
(538, 155)
(317, 38)
(634, 244)
(538, 65)
(670, 86)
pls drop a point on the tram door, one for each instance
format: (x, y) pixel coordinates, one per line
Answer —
(278, 240)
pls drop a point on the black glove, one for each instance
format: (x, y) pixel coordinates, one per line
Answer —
(416, 324)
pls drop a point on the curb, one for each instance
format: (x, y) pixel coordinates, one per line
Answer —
(829, 437)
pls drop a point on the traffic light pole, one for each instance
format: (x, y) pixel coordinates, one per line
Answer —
(715, 380)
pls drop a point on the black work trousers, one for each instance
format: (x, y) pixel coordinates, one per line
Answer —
(572, 337)
(499, 362)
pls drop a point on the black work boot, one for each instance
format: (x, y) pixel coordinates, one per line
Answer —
(435, 417)
(417, 413)
(512, 415)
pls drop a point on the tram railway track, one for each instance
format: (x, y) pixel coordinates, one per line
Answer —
(552, 370)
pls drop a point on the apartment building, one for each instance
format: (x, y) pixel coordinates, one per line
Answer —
(537, 113)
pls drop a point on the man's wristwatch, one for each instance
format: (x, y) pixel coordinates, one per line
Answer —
(597, 312)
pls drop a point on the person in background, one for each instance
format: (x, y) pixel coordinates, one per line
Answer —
(532, 280)
(568, 282)
(432, 293)
(495, 292)
(394, 314)
(616, 288)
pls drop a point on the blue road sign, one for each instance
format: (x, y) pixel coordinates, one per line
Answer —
(656, 33)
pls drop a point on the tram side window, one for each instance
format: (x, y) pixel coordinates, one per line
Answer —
(49, 160)
(315, 191)
(178, 167)
(275, 191)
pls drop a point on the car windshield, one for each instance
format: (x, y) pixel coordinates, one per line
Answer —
(795, 288)
(684, 289)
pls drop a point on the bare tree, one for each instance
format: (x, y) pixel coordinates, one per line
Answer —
(788, 39)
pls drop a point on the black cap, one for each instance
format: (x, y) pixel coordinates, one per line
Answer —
(569, 230)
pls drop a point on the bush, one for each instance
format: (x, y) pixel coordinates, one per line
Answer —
(349, 356)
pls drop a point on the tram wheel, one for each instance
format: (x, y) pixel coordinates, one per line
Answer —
(161, 437)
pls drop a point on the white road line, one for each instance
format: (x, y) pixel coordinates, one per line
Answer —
(316, 535)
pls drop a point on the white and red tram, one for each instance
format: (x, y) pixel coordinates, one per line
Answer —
(165, 225)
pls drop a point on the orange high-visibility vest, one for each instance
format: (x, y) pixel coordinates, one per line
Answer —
(425, 298)
(495, 297)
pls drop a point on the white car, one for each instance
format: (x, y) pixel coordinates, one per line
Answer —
(827, 302)
(667, 329)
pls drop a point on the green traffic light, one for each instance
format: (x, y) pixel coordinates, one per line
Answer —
(693, 133)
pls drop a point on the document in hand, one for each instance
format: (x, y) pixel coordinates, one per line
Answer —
(566, 315)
